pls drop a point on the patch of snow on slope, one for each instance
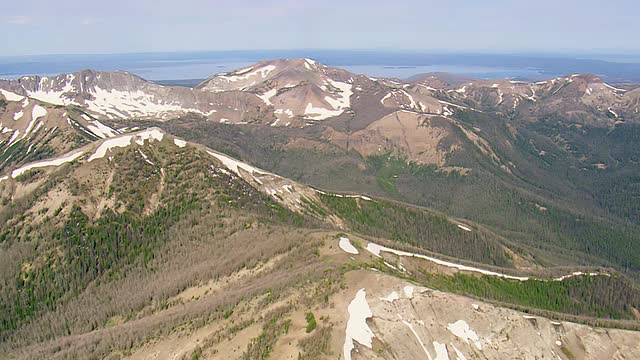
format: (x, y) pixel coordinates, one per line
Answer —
(579, 273)
(462, 330)
(376, 249)
(14, 136)
(315, 113)
(357, 328)
(263, 72)
(37, 112)
(10, 96)
(125, 104)
(100, 130)
(344, 96)
(154, 134)
(614, 88)
(441, 351)
(391, 297)
(3, 178)
(408, 291)
(124, 141)
(54, 162)
(308, 63)
(17, 116)
(287, 112)
(385, 98)
(346, 246)
(53, 97)
(463, 227)
(266, 97)
(180, 143)
(145, 157)
(413, 104)
(235, 165)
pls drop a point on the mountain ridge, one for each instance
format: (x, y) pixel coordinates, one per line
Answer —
(181, 233)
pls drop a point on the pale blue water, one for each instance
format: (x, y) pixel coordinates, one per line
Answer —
(175, 66)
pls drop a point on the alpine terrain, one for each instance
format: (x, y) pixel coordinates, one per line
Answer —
(292, 210)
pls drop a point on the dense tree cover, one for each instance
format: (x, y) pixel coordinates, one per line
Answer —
(417, 227)
(608, 297)
(570, 235)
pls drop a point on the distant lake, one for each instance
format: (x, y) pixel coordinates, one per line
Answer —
(480, 72)
(402, 65)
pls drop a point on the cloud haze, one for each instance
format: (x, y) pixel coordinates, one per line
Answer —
(81, 26)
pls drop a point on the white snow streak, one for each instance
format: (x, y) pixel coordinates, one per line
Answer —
(54, 162)
(424, 348)
(376, 249)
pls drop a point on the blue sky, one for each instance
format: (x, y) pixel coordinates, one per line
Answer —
(30, 27)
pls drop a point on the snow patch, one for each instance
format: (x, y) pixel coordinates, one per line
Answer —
(463, 227)
(124, 141)
(346, 246)
(10, 96)
(17, 116)
(124, 104)
(37, 112)
(391, 297)
(357, 328)
(180, 143)
(246, 74)
(235, 165)
(266, 97)
(441, 351)
(462, 330)
(99, 129)
(408, 291)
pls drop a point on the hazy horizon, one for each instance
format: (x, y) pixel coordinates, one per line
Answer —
(144, 26)
(392, 64)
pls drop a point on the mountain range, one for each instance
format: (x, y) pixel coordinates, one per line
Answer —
(295, 210)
